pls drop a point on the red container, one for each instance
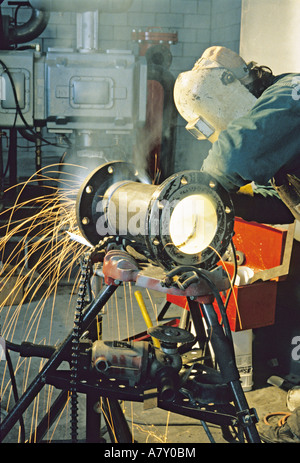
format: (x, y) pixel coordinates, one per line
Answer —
(266, 250)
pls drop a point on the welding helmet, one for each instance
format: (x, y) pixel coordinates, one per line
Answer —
(214, 92)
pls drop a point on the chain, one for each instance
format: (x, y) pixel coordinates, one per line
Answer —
(84, 279)
(81, 302)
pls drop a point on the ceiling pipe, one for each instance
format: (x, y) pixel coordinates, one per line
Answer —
(31, 29)
(104, 6)
(41, 12)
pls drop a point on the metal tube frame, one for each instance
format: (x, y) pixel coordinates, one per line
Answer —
(241, 415)
(223, 350)
(53, 363)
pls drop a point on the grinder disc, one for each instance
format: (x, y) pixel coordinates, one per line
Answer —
(170, 334)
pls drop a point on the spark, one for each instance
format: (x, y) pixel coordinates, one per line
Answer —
(47, 247)
(223, 263)
(44, 238)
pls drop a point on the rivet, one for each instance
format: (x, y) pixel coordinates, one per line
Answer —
(183, 181)
(85, 221)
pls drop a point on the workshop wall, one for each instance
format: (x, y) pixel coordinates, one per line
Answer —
(282, 53)
(199, 24)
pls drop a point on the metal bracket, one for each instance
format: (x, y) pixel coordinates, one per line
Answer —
(283, 268)
(248, 417)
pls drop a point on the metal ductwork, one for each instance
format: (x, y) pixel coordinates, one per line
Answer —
(103, 6)
(186, 220)
(31, 29)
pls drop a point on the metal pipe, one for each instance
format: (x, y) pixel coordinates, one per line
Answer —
(181, 221)
(122, 201)
(12, 154)
(170, 114)
(31, 29)
(105, 6)
(229, 371)
(87, 31)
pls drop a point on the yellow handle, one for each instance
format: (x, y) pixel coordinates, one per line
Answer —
(140, 301)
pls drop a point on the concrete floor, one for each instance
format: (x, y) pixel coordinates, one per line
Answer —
(122, 319)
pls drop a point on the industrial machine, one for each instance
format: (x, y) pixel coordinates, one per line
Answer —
(164, 368)
(168, 235)
(95, 103)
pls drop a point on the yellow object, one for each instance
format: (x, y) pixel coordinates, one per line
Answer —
(246, 190)
(148, 321)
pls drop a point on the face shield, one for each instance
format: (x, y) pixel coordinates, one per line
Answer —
(211, 95)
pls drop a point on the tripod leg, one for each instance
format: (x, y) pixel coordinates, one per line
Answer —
(93, 419)
(199, 326)
(163, 310)
(225, 358)
(50, 417)
(117, 425)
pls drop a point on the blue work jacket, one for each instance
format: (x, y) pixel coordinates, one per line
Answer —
(264, 142)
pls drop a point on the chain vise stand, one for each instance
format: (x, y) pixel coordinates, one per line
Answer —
(201, 287)
(139, 367)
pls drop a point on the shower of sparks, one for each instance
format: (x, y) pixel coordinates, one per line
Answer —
(47, 247)
(43, 235)
(44, 254)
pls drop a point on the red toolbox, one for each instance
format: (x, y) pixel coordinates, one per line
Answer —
(266, 250)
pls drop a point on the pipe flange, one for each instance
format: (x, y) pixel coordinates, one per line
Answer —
(173, 190)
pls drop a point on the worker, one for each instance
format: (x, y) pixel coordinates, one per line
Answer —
(287, 430)
(252, 119)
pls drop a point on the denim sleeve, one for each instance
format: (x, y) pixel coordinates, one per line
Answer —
(261, 143)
